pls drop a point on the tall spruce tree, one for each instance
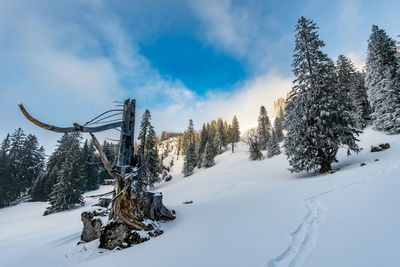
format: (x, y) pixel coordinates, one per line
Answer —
(234, 135)
(5, 182)
(220, 136)
(147, 152)
(347, 84)
(273, 147)
(190, 153)
(209, 155)
(90, 171)
(278, 125)
(202, 145)
(44, 185)
(263, 128)
(383, 81)
(317, 120)
(361, 99)
(32, 163)
(70, 179)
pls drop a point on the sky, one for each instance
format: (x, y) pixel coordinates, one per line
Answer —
(68, 61)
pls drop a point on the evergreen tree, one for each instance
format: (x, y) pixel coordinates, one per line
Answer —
(317, 119)
(202, 145)
(90, 171)
(220, 136)
(383, 81)
(32, 163)
(347, 84)
(147, 152)
(6, 195)
(65, 146)
(234, 135)
(5, 146)
(273, 148)
(190, 153)
(70, 178)
(278, 126)
(209, 154)
(361, 99)
(15, 156)
(68, 190)
(264, 128)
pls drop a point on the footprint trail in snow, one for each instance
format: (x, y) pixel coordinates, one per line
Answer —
(304, 239)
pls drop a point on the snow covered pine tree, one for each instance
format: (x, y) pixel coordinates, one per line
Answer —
(263, 128)
(70, 185)
(190, 154)
(273, 147)
(147, 151)
(317, 118)
(382, 80)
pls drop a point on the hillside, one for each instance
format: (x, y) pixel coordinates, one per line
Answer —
(244, 213)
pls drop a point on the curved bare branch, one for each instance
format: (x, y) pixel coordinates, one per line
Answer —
(76, 128)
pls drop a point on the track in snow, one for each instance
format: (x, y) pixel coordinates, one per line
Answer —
(304, 239)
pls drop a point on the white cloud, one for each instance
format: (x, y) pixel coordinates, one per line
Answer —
(244, 102)
(239, 30)
(357, 59)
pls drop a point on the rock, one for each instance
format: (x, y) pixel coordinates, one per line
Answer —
(116, 235)
(376, 149)
(385, 146)
(91, 225)
(168, 178)
(380, 147)
(362, 164)
(113, 235)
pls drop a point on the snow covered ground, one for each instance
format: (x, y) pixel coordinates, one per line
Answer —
(244, 213)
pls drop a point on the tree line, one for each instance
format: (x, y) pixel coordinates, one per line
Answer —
(200, 148)
(73, 168)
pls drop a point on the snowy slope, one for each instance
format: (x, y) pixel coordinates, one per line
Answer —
(244, 213)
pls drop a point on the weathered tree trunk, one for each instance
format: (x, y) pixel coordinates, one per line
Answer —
(131, 203)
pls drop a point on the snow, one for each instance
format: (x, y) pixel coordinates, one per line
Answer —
(244, 213)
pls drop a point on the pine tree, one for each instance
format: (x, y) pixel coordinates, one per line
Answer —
(220, 136)
(209, 155)
(361, 99)
(68, 190)
(90, 171)
(5, 183)
(348, 83)
(273, 148)
(44, 186)
(278, 126)
(190, 153)
(70, 180)
(202, 145)
(5, 146)
(234, 135)
(252, 138)
(147, 152)
(32, 163)
(383, 81)
(317, 120)
(263, 128)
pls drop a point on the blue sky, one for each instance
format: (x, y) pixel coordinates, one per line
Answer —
(67, 61)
